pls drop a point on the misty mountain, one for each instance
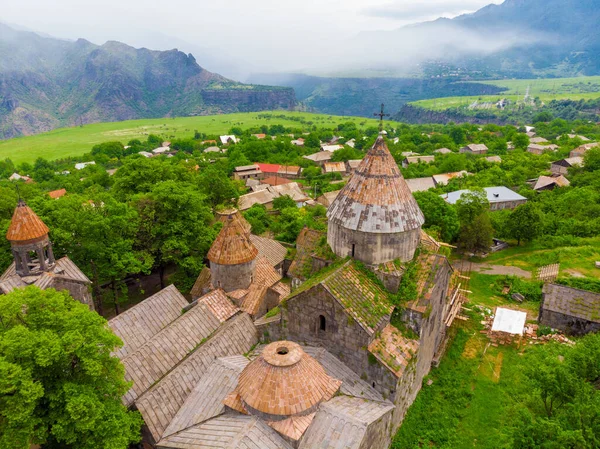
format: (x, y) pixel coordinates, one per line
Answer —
(515, 38)
(46, 83)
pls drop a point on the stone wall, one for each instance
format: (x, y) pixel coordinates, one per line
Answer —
(570, 325)
(270, 329)
(378, 434)
(77, 290)
(372, 248)
(343, 336)
(232, 277)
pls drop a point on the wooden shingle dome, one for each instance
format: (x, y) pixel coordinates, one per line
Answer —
(26, 226)
(284, 381)
(224, 215)
(232, 246)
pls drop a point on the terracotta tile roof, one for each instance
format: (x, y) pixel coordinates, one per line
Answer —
(334, 167)
(364, 300)
(265, 276)
(57, 193)
(294, 426)
(219, 304)
(140, 323)
(284, 381)
(282, 289)
(268, 168)
(393, 349)
(254, 299)
(271, 249)
(25, 225)
(237, 295)
(203, 283)
(232, 246)
(275, 181)
(160, 404)
(443, 178)
(572, 302)
(376, 198)
(234, 214)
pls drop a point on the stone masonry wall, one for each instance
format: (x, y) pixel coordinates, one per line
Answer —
(378, 433)
(343, 336)
(77, 290)
(568, 324)
(232, 277)
(372, 248)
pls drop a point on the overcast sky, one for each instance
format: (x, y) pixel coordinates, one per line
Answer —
(268, 33)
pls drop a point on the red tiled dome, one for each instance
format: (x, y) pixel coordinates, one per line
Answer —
(25, 225)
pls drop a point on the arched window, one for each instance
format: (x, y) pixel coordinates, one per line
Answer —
(322, 323)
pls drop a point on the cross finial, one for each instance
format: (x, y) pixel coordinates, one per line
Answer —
(381, 115)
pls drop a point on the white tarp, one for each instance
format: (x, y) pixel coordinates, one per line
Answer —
(509, 321)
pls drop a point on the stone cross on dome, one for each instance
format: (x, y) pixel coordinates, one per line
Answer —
(381, 114)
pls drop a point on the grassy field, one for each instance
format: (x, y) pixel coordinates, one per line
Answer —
(76, 141)
(587, 88)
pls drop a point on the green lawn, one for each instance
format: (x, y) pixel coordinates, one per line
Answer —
(585, 87)
(76, 141)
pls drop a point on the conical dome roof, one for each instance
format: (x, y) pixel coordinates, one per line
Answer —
(284, 381)
(232, 246)
(376, 198)
(25, 225)
(224, 215)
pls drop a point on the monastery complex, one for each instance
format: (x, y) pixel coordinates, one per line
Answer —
(332, 361)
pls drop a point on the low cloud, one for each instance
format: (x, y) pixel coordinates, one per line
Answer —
(406, 10)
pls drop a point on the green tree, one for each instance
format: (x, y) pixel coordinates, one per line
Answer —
(439, 215)
(59, 385)
(521, 141)
(591, 159)
(458, 135)
(476, 231)
(218, 188)
(283, 202)
(525, 222)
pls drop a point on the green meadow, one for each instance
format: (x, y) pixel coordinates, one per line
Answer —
(75, 141)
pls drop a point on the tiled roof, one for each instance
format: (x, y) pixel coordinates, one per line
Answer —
(292, 189)
(544, 181)
(232, 246)
(165, 350)
(275, 181)
(327, 198)
(234, 214)
(57, 193)
(25, 225)
(284, 381)
(219, 305)
(420, 184)
(268, 168)
(203, 282)
(271, 249)
(260, 197)
(364, 300)
(443, 178)
(289, 169)
(139, 324)
(206, 399)
(342, 423)
(227, 432)
(494, 195)
(265, 276)
(376, 198)
(393, 349)
(334, 167)
(319, 157)
(420, 158)
(160, 404)
(354, 163)
(65, 267)
(572, 301)
(477, 147)
(443, 151)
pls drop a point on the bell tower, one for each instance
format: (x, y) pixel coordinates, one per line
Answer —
(30, 244)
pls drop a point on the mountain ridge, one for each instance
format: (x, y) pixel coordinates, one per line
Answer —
(46, 83)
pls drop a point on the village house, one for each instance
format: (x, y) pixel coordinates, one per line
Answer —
(34, 262)
(474, 148)
(212, 150)
(55, 194)
(327, 198)
(499, 197)
(494, 159)
(444, 178)
(550, 183)
(247, 172)
(420, 184)
(540, 149)
(319, 158)
(266, 195)
(289, 171)
(331, 148)
(82, 165)
(443, 151)
(417, 160)
(334, 167)
(581, 150)
(145, 154)
(18, 177)
(262, 196)
(570, 310)
(538, 140)
(157, 151)
(298, 142)
(226, 140)
(259, 136)
(274, 181)
(562, 167)
(576, 136)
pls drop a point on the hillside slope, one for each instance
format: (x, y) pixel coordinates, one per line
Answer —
(46, 83)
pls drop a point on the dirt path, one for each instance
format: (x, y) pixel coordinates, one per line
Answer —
(486, 268)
